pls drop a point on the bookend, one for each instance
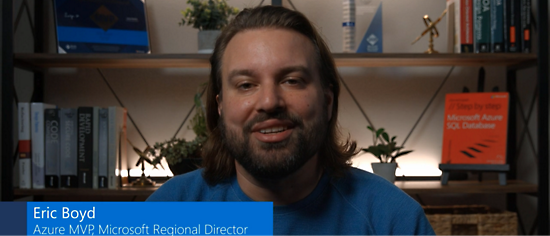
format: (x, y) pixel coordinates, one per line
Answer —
(447, 168)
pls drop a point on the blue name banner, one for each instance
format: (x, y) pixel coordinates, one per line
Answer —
(149, 218)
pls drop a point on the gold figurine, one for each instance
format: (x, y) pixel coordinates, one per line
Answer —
(143, 181)
(430, 27)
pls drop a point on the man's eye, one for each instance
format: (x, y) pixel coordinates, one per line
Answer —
(245, 86)
(291, 81)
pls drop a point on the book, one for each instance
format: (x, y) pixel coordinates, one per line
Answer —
(512, 25)
(85, 147)
(526, 26)
(475, 128)
(37, 143)
(117, 145)
(51, 147)
(69, 133)
(101, 26)
(103, 150)
(25, 154)
(497, 26)
(95, 147)
(464, 31)
(482, 26)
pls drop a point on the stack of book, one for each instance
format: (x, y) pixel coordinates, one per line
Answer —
(491, 26)
(70, 147)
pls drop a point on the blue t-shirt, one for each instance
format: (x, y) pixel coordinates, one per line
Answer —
(360, 203)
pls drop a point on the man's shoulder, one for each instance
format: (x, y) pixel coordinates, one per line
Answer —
(360, 186)
(186, 187)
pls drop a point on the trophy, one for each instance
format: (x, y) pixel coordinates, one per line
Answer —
(430, 28)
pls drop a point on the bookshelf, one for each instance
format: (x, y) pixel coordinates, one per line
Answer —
(38, 62)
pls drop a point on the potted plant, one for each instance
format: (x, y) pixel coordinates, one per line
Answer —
(183, 156)
(387, 151)
(209, 17)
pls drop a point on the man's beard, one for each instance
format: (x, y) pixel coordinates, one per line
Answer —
(274, 161)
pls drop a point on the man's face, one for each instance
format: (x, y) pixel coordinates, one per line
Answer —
(274, 111)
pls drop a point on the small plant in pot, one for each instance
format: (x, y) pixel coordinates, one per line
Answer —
(386, 150)
(209, 17)
(183, 156)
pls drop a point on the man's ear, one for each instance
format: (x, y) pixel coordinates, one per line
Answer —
(219, 105)
(329, 101)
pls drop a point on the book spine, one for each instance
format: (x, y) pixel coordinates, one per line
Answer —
(497, 25)
(95, 147)
(114, 138)
(514, 29)
(37, 137)
(526, 26)
(466, 29)
(506, 24)
(482, 25)
(103, 150)
(24, 115)
(68, 146)
(51, 147)
(85, 147)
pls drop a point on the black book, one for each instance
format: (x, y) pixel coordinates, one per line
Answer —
(85, 147)
(526, 26)
(69, 152)
(512, 31)
(51, 147)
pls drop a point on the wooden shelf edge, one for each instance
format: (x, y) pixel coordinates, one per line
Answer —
(30, 61)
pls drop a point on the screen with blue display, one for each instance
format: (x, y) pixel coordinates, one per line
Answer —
(101, 26)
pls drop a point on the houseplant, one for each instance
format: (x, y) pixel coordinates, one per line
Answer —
(387, 151)
(209, 17)
(183, 156)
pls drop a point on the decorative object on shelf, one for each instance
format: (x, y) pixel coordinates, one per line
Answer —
(143, 180)
(369, 25)
(475, 134)
(348, 25)
(386, 150)
(106, 26)
(430, 28)
(183, 156)
(209, 17)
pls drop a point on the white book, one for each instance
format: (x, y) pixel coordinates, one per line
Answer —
(37, 142)
(117, 144)
(25, 152)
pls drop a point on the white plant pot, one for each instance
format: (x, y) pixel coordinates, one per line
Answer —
(207, 40)
(385, 170)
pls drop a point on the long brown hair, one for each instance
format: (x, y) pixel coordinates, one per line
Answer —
(334, 155)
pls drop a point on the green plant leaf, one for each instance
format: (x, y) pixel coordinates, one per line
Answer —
(393, 138)
(370, 128)
(386, 137)
(402, 153)
(379, 132)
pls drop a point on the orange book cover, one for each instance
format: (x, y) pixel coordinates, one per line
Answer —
(475, 128)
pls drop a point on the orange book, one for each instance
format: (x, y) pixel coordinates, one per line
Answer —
(475, 128)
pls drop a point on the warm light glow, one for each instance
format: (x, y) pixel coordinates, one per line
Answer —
(151, 173)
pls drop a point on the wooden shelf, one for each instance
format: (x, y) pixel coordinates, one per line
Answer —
(410, 187)
(435, 187)
(42, 61)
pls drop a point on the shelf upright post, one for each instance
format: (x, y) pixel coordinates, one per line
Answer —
(542, 122)
(7, 101)
(40, 43)
(511, 198)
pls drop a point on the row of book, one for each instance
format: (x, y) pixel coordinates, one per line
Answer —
(482, 26)
(70, 147)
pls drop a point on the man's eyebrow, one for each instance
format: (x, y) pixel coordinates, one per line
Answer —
(290, 69)
(243, 72)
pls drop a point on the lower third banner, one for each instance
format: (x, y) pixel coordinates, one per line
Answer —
(149, 218)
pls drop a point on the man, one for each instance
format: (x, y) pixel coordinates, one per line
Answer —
(272, 109)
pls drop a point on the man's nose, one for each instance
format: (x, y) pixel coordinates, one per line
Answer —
(270, 99)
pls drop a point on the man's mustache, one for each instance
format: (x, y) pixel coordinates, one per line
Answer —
(284, 116)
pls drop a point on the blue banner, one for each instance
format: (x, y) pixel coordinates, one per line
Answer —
(97, 35)
(149, 218)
